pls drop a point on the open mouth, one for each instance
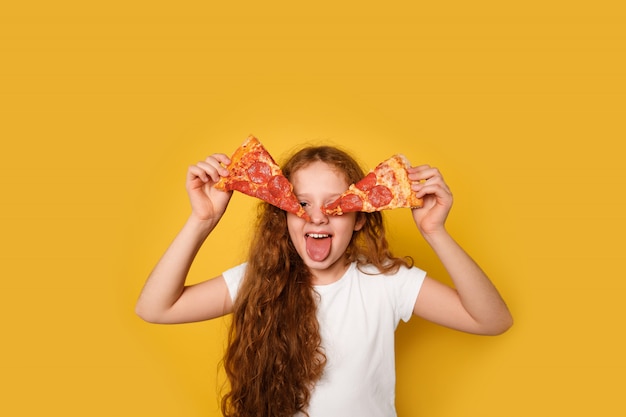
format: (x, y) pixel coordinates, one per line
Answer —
(318, 245)
(318, 235)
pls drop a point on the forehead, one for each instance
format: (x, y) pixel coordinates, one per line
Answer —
(319, 176)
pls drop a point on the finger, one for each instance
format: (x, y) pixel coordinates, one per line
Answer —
(195, 171)
(221, 158)
(432, 187)
(418, 168)
(422, 179)
(415, 172)
(423, 173)
(214, 166)
(211, 171)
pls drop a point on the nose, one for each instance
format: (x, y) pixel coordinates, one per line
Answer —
(318, 216)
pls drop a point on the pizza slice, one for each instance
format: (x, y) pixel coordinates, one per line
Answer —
(385, 187)
(252, 171)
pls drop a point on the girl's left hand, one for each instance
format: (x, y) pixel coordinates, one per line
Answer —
(428, 184)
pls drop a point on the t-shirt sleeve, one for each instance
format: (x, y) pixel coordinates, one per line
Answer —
(407, 285)
(233, 278)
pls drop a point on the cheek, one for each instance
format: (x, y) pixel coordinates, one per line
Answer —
(347, 224)
(294, 225)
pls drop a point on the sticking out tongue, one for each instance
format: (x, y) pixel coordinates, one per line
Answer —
(318, 248)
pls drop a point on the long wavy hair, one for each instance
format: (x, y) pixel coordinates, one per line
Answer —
(275, 354)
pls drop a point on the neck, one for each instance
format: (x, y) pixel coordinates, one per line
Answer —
(329, 275)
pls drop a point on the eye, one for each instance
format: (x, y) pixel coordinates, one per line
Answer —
(304, 204)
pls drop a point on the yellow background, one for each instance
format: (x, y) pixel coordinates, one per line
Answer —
(105, 104)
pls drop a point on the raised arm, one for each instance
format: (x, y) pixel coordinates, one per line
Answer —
(474, 304)
(165, 298)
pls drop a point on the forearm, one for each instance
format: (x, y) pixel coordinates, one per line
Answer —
(477, 294)
(166, 282)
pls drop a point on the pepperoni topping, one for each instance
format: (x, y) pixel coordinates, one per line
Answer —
(279, 186)
(332, 206)
(379, 196)
(280, 190)
(259, 172)
(278, 193)
(291, 205)
(351, 202)
(265, 195)
(241, 186)
(367, 183)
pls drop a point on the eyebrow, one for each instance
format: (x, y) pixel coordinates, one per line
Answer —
(308, 195)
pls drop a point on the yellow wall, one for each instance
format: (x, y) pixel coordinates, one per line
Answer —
(103, 107)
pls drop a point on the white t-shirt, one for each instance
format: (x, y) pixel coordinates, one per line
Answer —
(358, 315)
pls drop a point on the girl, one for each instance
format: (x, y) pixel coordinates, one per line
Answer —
(316, 304)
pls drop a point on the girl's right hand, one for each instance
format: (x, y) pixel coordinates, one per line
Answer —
(208, 203)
